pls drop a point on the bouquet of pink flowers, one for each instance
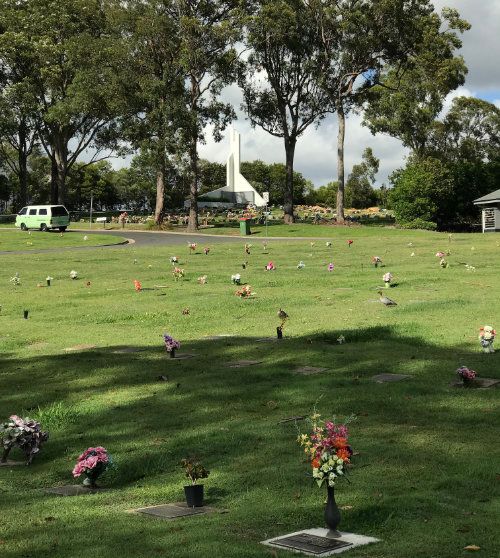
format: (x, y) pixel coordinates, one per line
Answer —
(466, 373)
(270, 266)
(171, 344)
(192, 246)
(92, 463)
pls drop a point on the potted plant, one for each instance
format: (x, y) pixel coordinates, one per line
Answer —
(92, 463)
(194, 471)
(466, 375)
(23, 433)
(329, 452)
(171, 344)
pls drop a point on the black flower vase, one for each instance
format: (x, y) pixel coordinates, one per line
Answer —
(172, 353)
(332, 513)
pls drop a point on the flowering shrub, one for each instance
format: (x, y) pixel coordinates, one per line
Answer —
(170, 343)
(244, 292)
(23, 433)
(73, 274)
(178, 273)
(486, 337)
(328, 449)
(194, 470)
(137, 285)
(92, 463)
(466, 373)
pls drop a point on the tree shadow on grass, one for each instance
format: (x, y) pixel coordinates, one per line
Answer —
(410, 434)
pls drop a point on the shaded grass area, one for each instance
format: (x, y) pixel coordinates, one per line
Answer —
(36, 240)
(425, 480)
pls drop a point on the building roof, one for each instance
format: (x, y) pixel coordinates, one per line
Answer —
(494, 197)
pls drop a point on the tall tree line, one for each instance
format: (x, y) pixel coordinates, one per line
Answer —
(104, 76)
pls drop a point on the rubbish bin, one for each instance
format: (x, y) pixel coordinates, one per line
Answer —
(245, 226)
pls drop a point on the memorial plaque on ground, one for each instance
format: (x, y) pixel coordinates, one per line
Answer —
(480, 383)
(309, 370)
(319, 542)
(73, 490)
(243, 363)
(81, 347)
(173, 511)
(383, 378)
(9, 463)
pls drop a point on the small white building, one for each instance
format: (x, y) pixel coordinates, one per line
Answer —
(490, 206)
(237, 191)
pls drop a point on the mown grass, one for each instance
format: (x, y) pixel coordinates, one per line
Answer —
(425, 480)
(14, 240)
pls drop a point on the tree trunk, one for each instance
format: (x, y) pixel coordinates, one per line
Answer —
(60, 159)
(160, 195)
(23, 165)
(54, 189)
(340, 163)
(193, 189)
(288, 194)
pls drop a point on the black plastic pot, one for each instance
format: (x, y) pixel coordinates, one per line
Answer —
(194, 495)
(25, 314)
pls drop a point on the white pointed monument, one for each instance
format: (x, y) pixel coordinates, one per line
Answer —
(237, 191)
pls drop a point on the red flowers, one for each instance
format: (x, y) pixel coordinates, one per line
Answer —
(137, 285)
(349, 242)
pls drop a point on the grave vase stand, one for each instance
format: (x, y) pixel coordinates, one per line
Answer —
(332, 513)
(172, 353)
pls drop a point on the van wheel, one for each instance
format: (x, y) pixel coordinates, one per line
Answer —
(24, 227)
(43, 227)
(62, 229)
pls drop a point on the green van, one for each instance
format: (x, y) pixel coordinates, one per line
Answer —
(43, 217)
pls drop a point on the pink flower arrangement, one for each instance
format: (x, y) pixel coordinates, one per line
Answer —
(466, 373)
(206, 250)
(137, 285)
(171, 344)
(192, 246)
(331, 267)
(92, 463)
(440, 254)
(349, 242)
(270, 266)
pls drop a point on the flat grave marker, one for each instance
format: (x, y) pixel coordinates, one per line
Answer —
(178, 509)
(10, 463)
(243, 363)
(317, 542)
(386, 378)
(81, 347)
(479, 383)
(310, 370)
(73, 490)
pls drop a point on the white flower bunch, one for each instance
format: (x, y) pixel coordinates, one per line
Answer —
(236, 279)
(470, 267)
(330, 469)
(16, 280)
(73, 274)
(301, 265)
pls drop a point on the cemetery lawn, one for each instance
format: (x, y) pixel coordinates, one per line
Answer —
(14, 240)
(426, 477)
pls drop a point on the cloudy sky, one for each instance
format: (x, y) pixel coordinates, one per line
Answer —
(315, 152)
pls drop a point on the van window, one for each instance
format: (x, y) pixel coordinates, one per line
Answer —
(59, 211)
(32, 211)
(23, 211)
(42, 212)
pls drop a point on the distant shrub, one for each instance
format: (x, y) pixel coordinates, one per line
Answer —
(418, 224)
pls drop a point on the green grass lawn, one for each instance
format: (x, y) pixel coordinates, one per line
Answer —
(426, 477)
(13, 240)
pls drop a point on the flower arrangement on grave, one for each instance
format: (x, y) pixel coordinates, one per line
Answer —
(23, 433)
(301, 265)
(194, 470)
(331, 266)
(73, 274)
(236, 279)
(328, 449)
(387, 278)
(174, 260)
(48, 279)
(16, 280)
(185, 311)
(313, 244)
(349, 242)
(283, 316)
(329, 452)
(264, 245)
(270, 266)
(328, 244)
(171, 344)
(92, 463)
(244, 292)
(137, 285)
(85, 238)
(466, 375)
(192, 246)
(470, 267)
(440, 254)
(486, 338)
(206, 250)
(341, 340)
(178, 273)
(376, 260)
(247, 248)
(202, 280)
(244, 265)
(443, 263)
